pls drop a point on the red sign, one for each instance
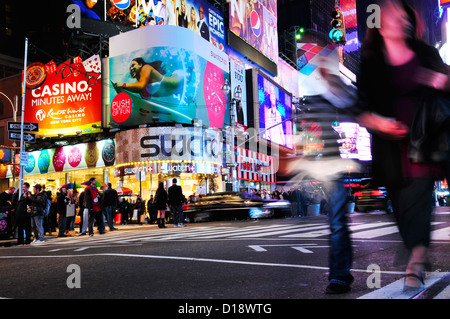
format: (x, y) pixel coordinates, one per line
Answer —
(121, 107)
(64, 98)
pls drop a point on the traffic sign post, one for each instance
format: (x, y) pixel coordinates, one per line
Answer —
(27, 126)
(27, 137)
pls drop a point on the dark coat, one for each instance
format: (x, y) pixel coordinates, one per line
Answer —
(110, 198)
(176, 196)
(160, 199)
(38, 203)
(61, 204)
(376, 95)
(22, 217)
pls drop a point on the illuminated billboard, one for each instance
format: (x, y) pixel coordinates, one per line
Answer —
(64, 98)
(272, 109)
(354, 141)
(154, 78)
(256, 23)
(197, 15)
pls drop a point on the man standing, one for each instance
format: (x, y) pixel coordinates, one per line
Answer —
(38, 203)
(22, 215)
(110, 201)
(176, 199)
(92, 203)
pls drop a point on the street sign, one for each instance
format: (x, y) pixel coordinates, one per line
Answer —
(27, 137)
(24, 158)
(27, 126)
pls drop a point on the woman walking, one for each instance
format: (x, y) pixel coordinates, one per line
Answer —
(398, 73)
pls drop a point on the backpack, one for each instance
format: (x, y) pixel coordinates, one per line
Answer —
(48, 203)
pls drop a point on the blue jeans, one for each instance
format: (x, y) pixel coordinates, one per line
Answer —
(37, 224)
(110, 212)
(340, 258)
(177, 211)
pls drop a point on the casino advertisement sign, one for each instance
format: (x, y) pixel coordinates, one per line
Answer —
(64, 98)
(69, 158)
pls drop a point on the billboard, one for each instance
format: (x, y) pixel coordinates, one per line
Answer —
(154, 80)
(64, 98)
(354, 142)
(68, 158)
(272, 110)
(256, 23)
(197, 15)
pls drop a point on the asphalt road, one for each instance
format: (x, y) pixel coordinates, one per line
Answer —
(276, 259)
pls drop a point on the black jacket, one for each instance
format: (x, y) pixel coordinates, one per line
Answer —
(38, 203)
(376, 95)
(160, 199)
(110, 198)
(176, 196)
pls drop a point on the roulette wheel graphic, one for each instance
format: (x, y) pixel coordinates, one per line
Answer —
(35, 75)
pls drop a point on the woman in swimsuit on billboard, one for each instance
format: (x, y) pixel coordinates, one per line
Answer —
(151, 80)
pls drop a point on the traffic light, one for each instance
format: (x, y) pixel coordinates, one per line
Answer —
(337, 33)
(298, 33)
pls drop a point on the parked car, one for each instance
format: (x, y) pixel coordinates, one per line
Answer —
(234, 205)
(370, 198)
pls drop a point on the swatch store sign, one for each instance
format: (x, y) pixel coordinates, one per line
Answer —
(156, 144)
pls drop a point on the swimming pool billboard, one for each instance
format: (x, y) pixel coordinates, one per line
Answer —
(166, 74)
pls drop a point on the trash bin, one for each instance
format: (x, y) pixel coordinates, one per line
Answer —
(313, 210)
(350, 207)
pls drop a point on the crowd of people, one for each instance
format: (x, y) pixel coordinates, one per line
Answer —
(36, 212)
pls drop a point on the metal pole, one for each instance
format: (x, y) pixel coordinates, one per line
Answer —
(22, 145)
(233, 169)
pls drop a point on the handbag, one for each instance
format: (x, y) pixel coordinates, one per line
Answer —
(70, 210)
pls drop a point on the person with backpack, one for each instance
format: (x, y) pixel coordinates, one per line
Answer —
(38, 204)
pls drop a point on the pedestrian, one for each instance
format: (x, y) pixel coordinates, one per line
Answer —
(140, 207)
(400, 76)
(151, 210)
(176, 200)
(38, 203)
(61, 207)
(47, 219)
(110, 202)
(22, 215)
(70, 212)
(84, 214)
(92, 201)
(124, 208)
(161, 204)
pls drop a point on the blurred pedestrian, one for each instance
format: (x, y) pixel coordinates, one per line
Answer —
(38, 203)
(92, 201)
(110, 202)
(400, 77)
(161, 204)
(176, 200)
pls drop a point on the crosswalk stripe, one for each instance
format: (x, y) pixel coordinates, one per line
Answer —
(282, 231)
(285, 230)
(226, 233)
(441, 234)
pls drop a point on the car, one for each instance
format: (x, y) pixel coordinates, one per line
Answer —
(370, 198)
(234, 205)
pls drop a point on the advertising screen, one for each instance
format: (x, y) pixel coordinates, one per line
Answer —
(152, 79)
(256, 23)
(274, 107)
(354, 142)
(64, 98)
(197, 15)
